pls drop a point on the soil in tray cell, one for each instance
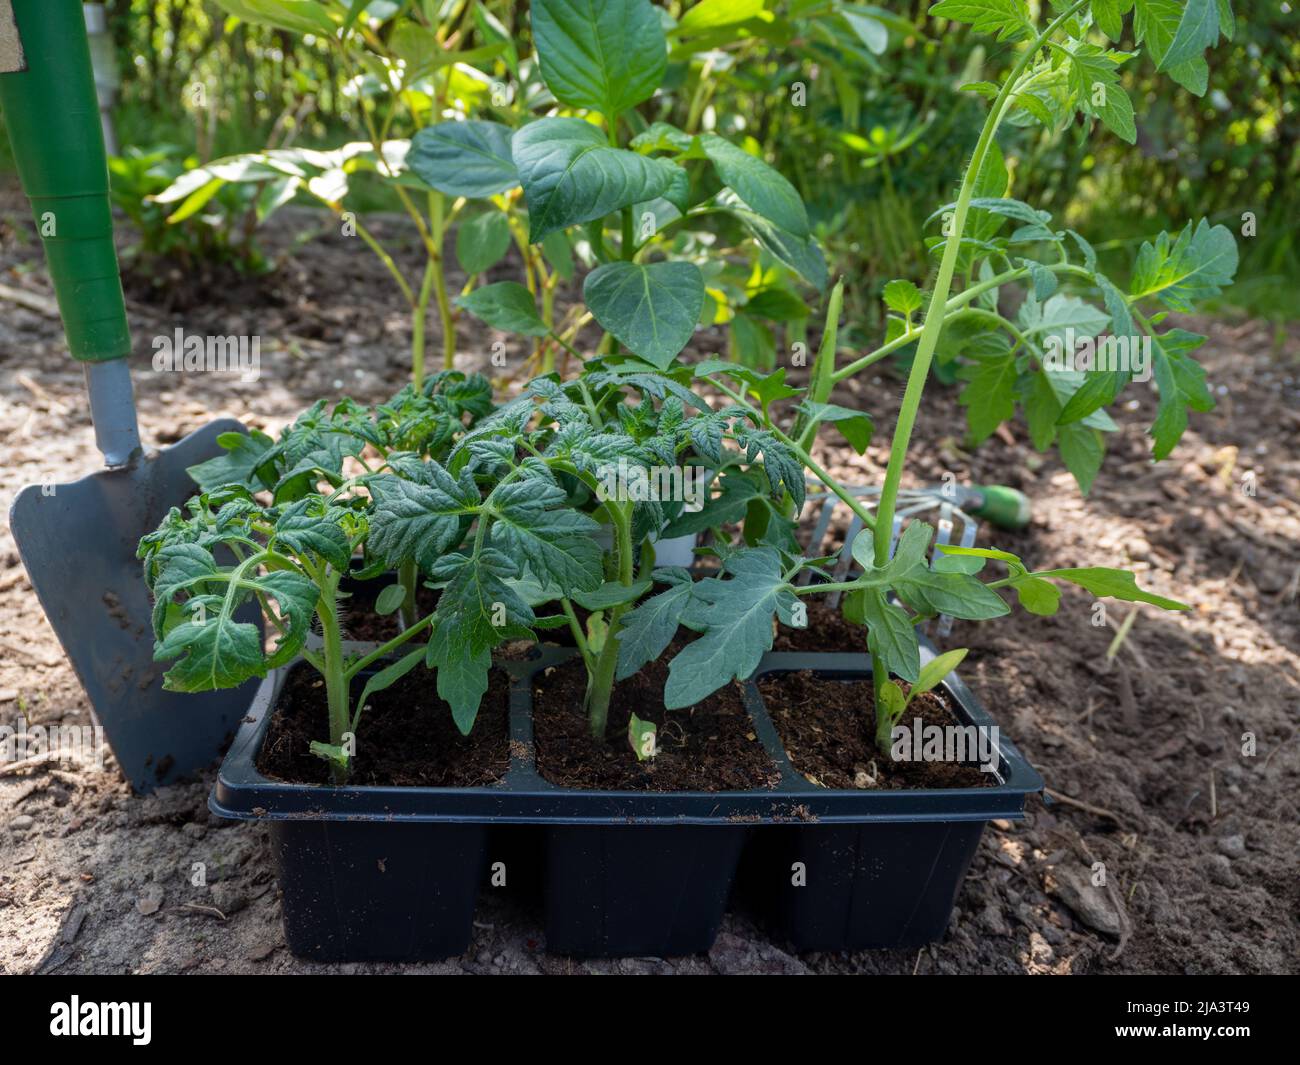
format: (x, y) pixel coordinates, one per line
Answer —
(827, 632)
(361, 622)
(406, 738)
(707, 747)
(828, 729)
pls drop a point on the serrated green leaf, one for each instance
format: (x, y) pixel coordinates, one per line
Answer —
(1198, 29)
(735, 616)
(556, 543)
(610, 594)
(1195, 266)
(647, 631)
(419, 522)
(903, 296)
(1181, 382)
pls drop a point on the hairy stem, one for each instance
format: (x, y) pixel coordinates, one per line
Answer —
(600, 680)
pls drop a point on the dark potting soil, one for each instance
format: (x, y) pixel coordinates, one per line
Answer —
(827, 631)
(361, 622)
(406, 738)
(828, 729)
(710, 746)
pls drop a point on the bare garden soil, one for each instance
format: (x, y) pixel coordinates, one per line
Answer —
(1175, 762)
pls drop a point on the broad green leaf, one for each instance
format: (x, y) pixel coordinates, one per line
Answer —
(309, 527)
(647, 631)
(960, 595)
(244, 454)
(300, 16)
(1114, 584)
(570, 174)
(1038, 596)
(710, 14)
(762, 189)
(1082, 450)
(989, 395)
(217, 652)
(1110, 16)
(801, 254)
(1180, 272)
(1009, 19)
(934, 671)
(482, 241)
(419, 522)
(891, 638)
(505, 305)
(472, 158)
(606, 55)
(735, 616)
(478, 610)
(653, 309)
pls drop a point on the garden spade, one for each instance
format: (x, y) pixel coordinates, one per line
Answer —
(78, 541)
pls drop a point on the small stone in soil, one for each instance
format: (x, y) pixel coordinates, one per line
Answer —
(150, 899)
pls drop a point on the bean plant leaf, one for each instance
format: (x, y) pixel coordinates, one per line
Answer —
(472, 158)
(652, 308)
(606, 55)
(482, 241)
(570, 174)
(505, 305)
(735, 616)
(762, 188)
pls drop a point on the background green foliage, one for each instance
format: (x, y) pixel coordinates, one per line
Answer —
(881, 138)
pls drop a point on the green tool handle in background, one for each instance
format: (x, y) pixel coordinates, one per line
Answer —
(1004, 507)
(52, 115)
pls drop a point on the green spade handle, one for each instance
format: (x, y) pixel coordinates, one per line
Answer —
(52, 115)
